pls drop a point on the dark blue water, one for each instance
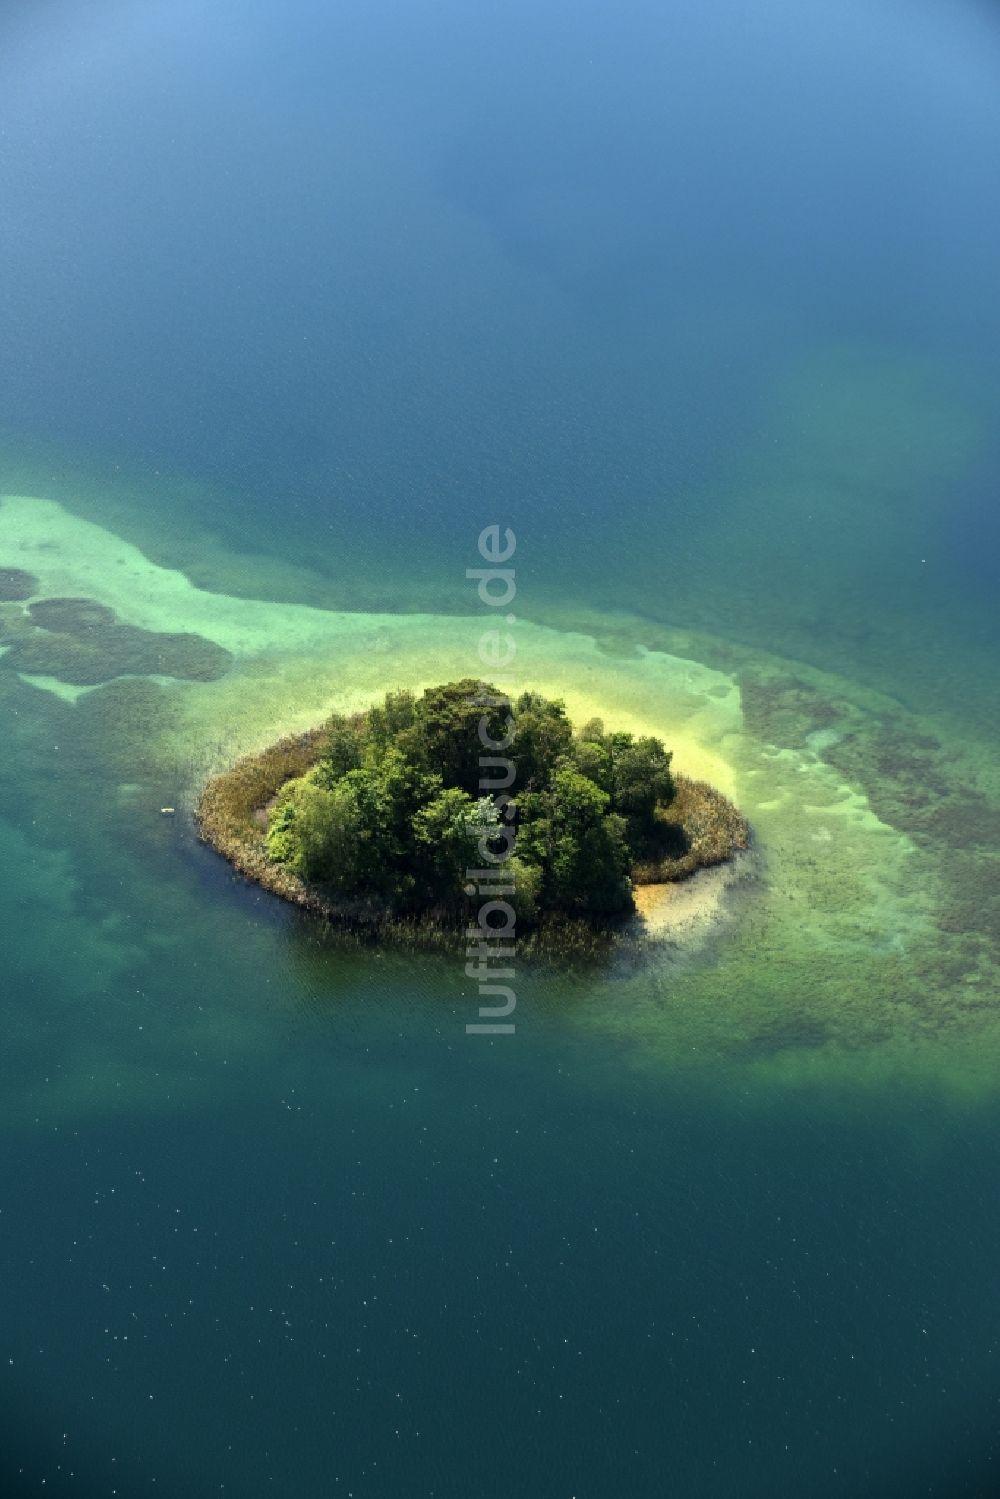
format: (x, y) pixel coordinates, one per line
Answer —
(338, 1278)
(703, 303)
(373, 271)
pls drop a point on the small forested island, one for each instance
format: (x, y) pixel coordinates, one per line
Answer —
(400, 820)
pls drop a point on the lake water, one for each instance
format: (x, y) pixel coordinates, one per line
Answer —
(702, 303)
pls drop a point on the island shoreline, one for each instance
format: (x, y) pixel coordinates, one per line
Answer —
(231, 818)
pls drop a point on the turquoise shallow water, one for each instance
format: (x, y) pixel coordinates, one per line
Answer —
(705, 309)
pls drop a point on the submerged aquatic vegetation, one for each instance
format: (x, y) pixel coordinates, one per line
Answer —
(81, 642)
(16, 584)
(70, 616)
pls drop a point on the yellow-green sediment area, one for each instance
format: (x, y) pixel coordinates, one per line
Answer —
(862, 943)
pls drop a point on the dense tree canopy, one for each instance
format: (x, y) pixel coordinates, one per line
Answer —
(410, 796)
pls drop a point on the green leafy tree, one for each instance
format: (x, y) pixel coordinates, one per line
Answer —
(394, 810)
(342, 751)
(634, 772)
(385, 722)
(543, 736)
(386, 794)
(282, 835)
(527, 880)
(379, 845)
(445, 832)
(591, 753)
(642, 783)
(580, 847)
(318, 833)
(449, 719)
